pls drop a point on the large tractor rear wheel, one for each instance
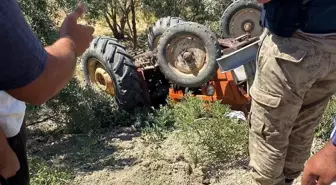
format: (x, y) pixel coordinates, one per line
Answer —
(241, 17)
(108, 68)
(158, 28)
(187, 54)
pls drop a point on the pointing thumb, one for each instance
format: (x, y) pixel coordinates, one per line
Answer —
(78, 12)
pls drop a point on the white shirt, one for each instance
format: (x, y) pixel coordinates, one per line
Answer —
(12, 112)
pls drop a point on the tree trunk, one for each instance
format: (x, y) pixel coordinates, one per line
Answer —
(117, 19)
(134, 30)
(114, 30)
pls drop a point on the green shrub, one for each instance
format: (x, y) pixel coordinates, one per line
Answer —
(41, 16)
(203, 128)
(77, 109)
(325, 127)
(42, 173)
(158, 123)
(208, 133)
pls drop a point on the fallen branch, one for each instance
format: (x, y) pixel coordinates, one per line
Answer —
(41, 121)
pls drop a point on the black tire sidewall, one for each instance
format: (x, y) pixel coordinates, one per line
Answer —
(107, 66)
(158, 28)
(231, 10)
(89, 54)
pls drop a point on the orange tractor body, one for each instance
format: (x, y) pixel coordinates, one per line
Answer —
(227, 86)
(225, 90)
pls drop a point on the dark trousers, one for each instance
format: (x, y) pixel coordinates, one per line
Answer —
(18, 144)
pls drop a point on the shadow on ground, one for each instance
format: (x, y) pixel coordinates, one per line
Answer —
(82, 153)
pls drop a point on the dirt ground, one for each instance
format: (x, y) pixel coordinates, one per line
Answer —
(125, 157)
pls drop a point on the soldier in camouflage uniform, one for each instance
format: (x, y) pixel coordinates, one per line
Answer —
(295, 79)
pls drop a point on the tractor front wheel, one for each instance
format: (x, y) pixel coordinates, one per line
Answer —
(187, 54)
(241, 17)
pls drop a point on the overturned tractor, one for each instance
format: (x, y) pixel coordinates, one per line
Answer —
(182, 57)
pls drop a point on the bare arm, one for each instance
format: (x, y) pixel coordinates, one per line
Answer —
(57, 73)
(61, 62)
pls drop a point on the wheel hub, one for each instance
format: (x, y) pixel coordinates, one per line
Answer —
(104, 81)
(246, 21)
(186, 55)
(99, 77)
(248, 27)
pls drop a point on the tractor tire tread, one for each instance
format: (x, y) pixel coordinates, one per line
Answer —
(120, 67)
(159, 27)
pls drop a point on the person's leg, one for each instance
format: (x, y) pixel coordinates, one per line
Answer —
(268, 141)
(18, 144)
(286, 70)
(302, 136)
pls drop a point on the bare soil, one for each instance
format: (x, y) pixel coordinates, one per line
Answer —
(126, 157)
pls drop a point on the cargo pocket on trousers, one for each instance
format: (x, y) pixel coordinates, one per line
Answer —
(263, 108)
(268, 99)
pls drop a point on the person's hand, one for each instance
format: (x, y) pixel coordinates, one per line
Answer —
(81, 35)
(9, 163)
(263, 1)
(321, 168)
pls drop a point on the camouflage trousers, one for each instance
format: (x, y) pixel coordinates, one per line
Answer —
(293, 85)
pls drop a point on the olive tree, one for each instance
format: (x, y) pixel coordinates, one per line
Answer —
(41, 16)
(119, 15)
(193, 10)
